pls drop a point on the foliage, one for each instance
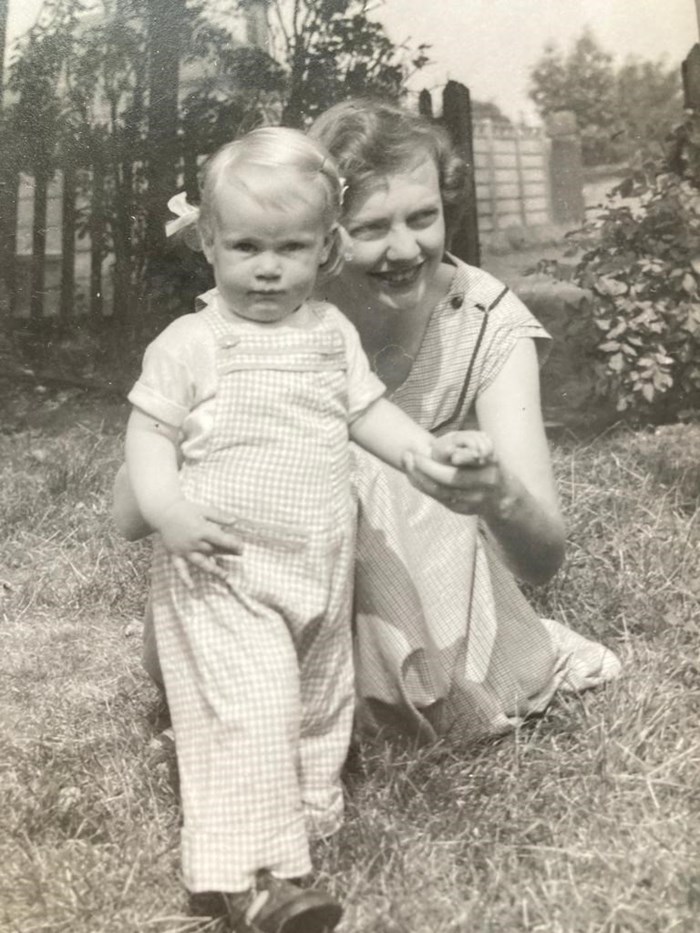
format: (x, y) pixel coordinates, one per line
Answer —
(488, 110)
(618, 110)
(641, 265)
(80, 95)
(648, 104)
(99, 93)
(332, 50)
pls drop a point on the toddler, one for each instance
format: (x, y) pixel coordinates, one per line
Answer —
(238, 441)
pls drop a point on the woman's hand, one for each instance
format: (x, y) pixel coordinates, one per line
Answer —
(514, 491)
(463, 473)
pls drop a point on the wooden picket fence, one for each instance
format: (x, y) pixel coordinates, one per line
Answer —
(55, 262)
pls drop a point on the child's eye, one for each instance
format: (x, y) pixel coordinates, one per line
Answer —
(241, 246)
(294, 246)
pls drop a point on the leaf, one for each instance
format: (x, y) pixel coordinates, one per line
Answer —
(648, 391)
(689, 284)
(607, 285)
(617, 330)
(662, 381)
(616, 363)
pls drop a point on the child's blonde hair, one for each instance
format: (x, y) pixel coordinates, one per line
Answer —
(273, 148)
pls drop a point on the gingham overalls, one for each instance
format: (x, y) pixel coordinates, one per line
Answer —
(258, 669)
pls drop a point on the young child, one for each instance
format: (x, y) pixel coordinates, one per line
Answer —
(238, 441)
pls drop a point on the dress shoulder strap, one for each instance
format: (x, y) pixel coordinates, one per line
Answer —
(472, 360)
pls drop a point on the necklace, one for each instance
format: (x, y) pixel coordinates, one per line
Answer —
(391, 354)
(392, 364)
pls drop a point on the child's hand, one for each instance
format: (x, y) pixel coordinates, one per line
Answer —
(462, 472)
(464, 448)
(192, 533)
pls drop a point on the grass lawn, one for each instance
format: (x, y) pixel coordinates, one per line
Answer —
(587, 819)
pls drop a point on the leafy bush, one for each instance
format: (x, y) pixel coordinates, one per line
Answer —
(641, 269)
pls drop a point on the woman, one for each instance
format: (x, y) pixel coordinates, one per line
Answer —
(446, 645)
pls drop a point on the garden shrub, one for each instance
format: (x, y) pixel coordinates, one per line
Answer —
(640, 267)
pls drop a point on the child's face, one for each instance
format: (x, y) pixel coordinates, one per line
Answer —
(266, 258)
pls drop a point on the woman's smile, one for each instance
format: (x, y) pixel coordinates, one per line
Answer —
(405, 277)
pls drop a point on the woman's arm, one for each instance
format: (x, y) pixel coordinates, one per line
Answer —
(524, 516)
(516, 497)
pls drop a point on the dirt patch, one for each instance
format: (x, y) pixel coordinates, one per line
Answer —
(31, 403)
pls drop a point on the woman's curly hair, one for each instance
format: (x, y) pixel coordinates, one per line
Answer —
(369, 138)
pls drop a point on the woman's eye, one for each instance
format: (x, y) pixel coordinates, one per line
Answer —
(369, 231)
(423, 218)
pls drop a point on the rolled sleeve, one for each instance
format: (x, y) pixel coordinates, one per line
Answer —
(156, 405)
(166, 387)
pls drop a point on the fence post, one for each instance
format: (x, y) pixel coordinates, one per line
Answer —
(190, 151)
(493, 192)
(690, 71)
(425, 104)
(67, 238)
(38, 265)
(565, 168)
(457, 116)
(97, 231)
(522, 206)
(9, 207)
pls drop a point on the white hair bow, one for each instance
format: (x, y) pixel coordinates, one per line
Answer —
(185, 223)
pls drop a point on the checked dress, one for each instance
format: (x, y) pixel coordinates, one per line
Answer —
(445, 643)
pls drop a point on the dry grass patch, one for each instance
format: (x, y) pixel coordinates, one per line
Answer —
(585, 821)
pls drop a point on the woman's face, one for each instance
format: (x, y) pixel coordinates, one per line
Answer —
(397, 229)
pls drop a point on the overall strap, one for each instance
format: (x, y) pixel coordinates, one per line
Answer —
(477, 346)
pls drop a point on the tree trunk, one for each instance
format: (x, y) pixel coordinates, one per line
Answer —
(3, 39)
(294, 108)
(165, 27)
(9, 182)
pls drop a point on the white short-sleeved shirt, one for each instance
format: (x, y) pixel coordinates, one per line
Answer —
(178, 379)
